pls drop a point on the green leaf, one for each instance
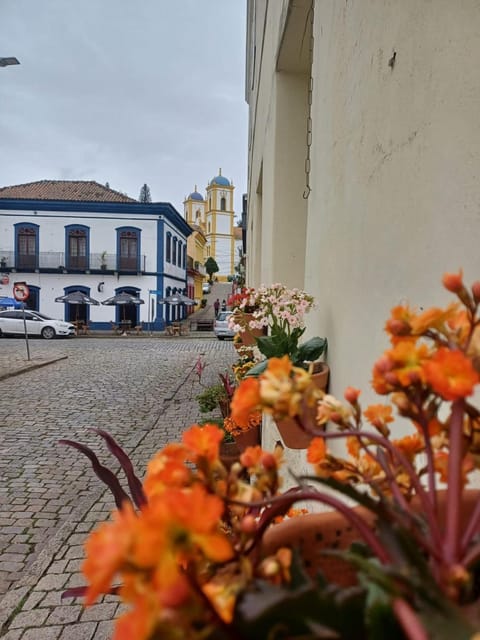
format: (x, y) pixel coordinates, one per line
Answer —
(311, 349)
(257, 369)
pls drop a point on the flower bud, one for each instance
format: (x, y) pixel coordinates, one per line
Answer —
(269, 461)
(351, 395)
(248, 524)
(453, 281)
(476, 291)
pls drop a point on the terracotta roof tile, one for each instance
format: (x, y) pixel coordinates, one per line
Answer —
(77, 190)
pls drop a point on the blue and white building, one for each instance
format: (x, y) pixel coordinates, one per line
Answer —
(63, 236)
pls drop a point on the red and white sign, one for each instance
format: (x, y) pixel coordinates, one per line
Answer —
(21, 291)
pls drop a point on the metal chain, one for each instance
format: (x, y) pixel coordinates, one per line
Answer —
(308, 189)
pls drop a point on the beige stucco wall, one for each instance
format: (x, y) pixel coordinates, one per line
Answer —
(395, 196)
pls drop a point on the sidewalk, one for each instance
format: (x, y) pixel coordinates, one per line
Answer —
(15, 364)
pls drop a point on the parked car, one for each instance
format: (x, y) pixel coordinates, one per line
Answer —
(38, 324)
(221, 326)
(206, 287)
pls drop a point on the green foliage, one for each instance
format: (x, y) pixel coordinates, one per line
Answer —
(211, 266)
(210, 398)
(278, 345)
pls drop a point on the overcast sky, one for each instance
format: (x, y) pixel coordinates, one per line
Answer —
(125, 92)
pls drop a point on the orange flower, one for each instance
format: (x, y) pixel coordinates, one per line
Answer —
(246, 399)
(167, 469)
(399, 322)
(451, 374)
(379, 415)
(283, 386)
(410, 445)
(251, 456)
(107, 549)
(401, 366)
(316, 451)
(203, 442)
(353, 446)
(434, 318)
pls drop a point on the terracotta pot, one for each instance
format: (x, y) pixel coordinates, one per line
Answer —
(229, 453)
(293, 436)
(315, 532)
(248, 438)
(247, 338)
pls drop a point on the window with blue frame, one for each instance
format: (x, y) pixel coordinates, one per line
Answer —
(179, 256)
(128, 249)
(77, 242)
(168, 248)
(174, 251)
(184, 255)
(26, 246)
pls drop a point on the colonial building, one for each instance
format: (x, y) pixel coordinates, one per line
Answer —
(214, 215)
(364, 156)
(62, 236)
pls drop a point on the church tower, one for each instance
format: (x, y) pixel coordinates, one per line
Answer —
(219, 222)
(194, 209)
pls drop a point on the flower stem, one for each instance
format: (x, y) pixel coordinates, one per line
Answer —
(454, 488)
(409, 621)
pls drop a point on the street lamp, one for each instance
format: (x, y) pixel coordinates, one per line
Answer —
(5, 62)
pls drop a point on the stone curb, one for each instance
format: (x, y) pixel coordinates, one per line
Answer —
(30, 366)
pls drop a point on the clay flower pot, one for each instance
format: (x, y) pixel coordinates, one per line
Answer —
(229, 453)
(315, 532)
(293, 436)
(247, 338)
(248, 438)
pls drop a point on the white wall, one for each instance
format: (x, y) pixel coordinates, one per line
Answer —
(394, 166)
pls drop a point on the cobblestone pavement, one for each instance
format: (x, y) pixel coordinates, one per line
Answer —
(142, 391)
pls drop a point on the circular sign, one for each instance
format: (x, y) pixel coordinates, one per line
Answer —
(20, 291)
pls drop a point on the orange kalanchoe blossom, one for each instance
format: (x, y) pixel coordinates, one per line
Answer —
(106, 549)
(451, 374)
(379, 415)
(203, 441)
(167, 469)
(434, 319)
(279, 390)
(399, 323)
(400, 367)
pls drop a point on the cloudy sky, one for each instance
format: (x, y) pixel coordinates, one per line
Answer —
(125, 92)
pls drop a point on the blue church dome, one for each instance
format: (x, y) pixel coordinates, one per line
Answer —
(220, 180)
(195, 196)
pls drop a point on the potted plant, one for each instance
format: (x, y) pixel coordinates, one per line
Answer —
(193, 550)
(282, 311)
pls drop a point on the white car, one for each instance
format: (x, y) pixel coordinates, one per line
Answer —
(206, 287)
(221, 326)
(38, 324)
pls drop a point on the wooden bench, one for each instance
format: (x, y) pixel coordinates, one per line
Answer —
(204, 325)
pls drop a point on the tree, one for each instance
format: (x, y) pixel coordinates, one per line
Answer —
(211, 266)
(145, 194)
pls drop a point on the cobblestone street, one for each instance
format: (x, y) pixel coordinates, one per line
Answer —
(140, 390)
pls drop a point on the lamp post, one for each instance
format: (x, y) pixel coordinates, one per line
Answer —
(5, 62)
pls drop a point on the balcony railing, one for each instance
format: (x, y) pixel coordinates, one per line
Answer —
(57, 260)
